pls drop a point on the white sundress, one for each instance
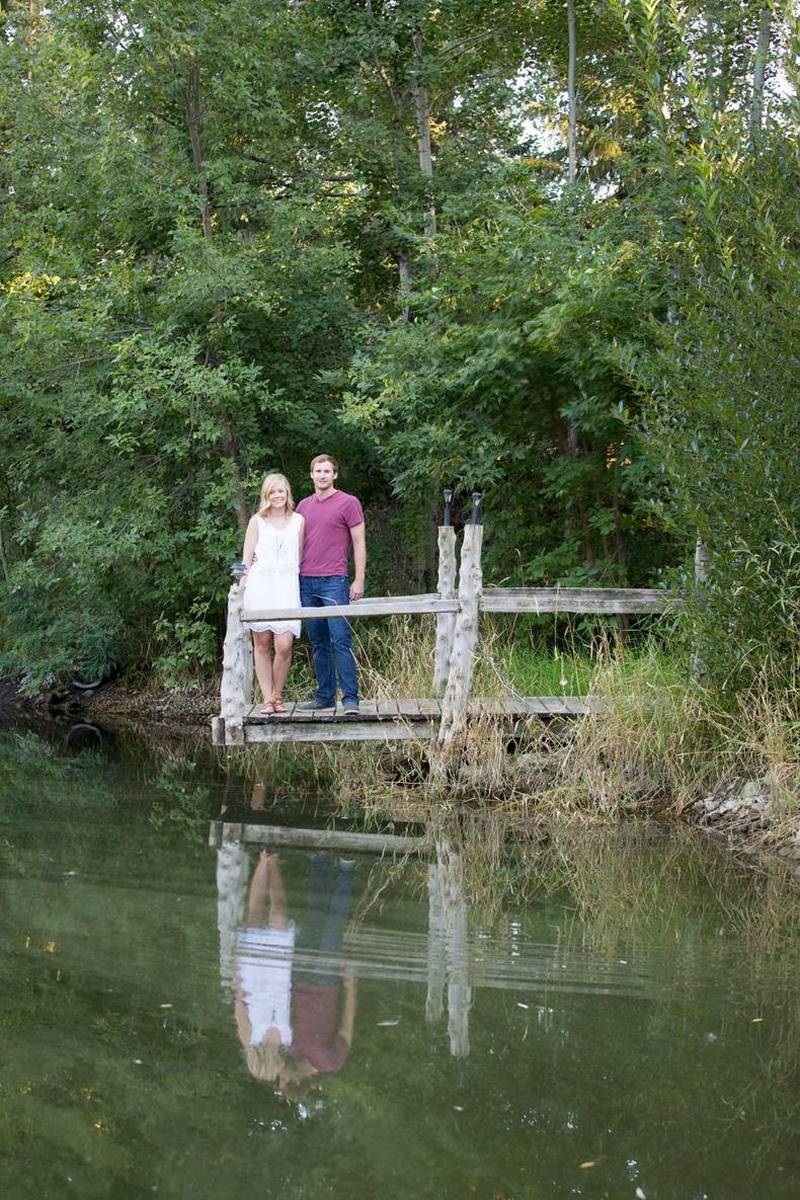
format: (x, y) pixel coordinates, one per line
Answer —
(273, 580)
(264, 970)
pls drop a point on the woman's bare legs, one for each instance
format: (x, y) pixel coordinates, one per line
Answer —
(283, 660)
(262, 655)
(267, 898)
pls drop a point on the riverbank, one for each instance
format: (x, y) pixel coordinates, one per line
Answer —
(660, 746)
(151, 703)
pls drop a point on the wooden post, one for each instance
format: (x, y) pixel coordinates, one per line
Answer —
(233, 871)
(445, 622)
(437, 969)
(448, 945)
(465, 640)
(237, 669)
(459, 992)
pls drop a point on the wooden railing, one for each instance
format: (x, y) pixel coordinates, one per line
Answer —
(457, 610)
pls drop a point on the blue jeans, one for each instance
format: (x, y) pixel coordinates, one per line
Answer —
(323, 927)
(331, 641)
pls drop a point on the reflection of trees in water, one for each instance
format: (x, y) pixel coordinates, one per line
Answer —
(688, 906)
(685, 907)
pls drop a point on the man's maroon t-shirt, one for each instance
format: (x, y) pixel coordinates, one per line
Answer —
(327, 534)
(315, 1027)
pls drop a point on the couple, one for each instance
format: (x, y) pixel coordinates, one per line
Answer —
(295, 997)
(298, 557)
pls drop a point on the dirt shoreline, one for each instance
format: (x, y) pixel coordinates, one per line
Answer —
(148, 704)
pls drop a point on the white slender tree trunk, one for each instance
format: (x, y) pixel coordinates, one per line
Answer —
(423, 111)
(760, 70)
(193, 115)
(572, 102)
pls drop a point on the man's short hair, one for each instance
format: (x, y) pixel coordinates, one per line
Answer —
(318, 458)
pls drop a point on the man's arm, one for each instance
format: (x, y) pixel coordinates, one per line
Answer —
(359, 536)
(348, 1008)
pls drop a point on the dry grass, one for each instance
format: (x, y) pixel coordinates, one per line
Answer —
(657, 742)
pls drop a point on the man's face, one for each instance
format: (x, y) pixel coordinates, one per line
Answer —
(323, 476)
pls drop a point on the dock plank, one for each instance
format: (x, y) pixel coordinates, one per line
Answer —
(349, 730)
(395, 719)
(596, 601)
(314, 839)
(371, 606)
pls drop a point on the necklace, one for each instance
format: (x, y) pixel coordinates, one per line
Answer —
(280, 533)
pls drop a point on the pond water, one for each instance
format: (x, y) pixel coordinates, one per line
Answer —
(630, 1028)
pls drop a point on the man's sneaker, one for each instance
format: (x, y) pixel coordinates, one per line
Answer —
(313, 705)
(350, 708)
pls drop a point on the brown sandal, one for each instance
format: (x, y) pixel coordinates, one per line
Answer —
(267, 709)
(278, 706)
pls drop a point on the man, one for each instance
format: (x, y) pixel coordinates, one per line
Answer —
(334, 520)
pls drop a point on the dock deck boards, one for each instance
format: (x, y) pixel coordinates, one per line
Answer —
(391, 720)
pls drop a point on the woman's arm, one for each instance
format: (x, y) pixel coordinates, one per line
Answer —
(250, 539)
(301, 536)
(243, 1025)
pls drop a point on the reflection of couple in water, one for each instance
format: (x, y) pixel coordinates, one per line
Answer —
(294, 1005)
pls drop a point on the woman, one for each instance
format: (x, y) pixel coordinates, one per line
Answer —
(272, 548)
(264, 972)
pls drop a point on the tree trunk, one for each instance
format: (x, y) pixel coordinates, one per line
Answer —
(423, 131)
(760, 70)
(572, 170)
(572, 105)
(404, 289)
(193, 115)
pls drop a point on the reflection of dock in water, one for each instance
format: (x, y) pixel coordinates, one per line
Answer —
(339, 840)
(449, 959)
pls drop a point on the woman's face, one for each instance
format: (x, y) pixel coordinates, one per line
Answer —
(277, 496)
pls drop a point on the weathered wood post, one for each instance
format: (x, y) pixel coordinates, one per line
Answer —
(446, 586)
(233, 872)
(448, 945)
(437, 967)
(459, 992)
(237, 667)
(455, 704)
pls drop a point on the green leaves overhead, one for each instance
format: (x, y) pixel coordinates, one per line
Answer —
(235, 234)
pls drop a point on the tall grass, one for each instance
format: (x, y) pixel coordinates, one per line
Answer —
(658, 739)
(518, 657)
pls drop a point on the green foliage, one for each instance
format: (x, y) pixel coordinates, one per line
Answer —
(217, 257)
(719, 378)
(507, 380)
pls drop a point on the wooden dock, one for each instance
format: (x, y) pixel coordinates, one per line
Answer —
(456, 607)
(390, 720)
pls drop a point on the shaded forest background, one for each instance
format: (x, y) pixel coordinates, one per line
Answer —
(543, 248)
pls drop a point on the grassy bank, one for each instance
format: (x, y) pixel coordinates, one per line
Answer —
(662, 745)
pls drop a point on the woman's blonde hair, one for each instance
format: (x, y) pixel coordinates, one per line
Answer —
(269, 483)
(264, 1061)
